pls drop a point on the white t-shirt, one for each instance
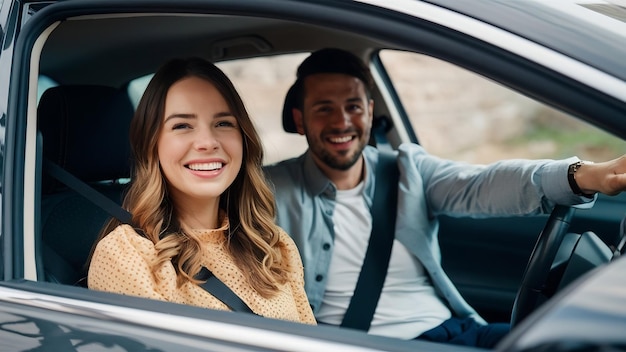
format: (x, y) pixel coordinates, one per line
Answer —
(408, 305)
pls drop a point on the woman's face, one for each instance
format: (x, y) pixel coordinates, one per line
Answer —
(200, 146)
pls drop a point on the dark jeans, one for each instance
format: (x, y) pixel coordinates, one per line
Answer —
(466, 331)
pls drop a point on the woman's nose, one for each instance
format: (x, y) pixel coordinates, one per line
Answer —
(205, 140)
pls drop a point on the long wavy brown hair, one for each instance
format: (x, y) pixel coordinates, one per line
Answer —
(248, 202)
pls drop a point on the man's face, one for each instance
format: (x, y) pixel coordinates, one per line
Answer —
(336, 119)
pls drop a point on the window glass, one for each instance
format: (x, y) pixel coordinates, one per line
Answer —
(460, 115)
(262, 84)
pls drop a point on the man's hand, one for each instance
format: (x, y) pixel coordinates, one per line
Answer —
(608, 177)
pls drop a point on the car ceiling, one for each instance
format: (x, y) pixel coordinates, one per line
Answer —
(115, 50)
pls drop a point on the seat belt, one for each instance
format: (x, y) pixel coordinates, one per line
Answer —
(213, 285)
(374, 270)
(97, 198)
(222, 292)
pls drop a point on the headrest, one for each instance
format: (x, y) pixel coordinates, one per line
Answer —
(288, 124)
(85, 130)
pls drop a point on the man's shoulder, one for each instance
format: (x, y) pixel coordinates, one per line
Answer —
(282, 167)
(285, 172)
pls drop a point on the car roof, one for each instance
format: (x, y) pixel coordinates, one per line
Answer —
(592, 31)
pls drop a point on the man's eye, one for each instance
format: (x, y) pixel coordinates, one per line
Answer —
(355, 108)
(324, 109)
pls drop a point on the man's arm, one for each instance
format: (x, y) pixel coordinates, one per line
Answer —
(507, 187)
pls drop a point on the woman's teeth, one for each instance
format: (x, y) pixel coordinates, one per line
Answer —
(205, 166)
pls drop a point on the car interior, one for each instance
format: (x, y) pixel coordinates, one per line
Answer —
(82, 128)
(84, 131)
(83, 120)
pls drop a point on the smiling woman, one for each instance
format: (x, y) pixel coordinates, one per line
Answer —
(199, 202)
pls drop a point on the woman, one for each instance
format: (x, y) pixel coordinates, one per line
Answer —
(198, 198)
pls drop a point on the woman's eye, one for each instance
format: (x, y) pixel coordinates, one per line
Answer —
(225, 123)
(180, 126)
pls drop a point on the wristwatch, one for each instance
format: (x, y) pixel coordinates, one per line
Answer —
(571, 170)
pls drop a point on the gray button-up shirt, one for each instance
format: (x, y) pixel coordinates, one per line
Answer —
(428, 186)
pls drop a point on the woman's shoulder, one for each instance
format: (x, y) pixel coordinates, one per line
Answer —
(124, 235)
(284, 237)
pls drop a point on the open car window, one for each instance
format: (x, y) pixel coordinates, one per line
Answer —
(463, 116)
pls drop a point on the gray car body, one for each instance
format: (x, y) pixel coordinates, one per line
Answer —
(538, 50)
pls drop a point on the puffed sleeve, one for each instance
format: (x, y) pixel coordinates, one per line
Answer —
(120, 264)
(296, 278)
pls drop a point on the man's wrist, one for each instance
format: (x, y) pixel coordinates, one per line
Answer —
(571, 178)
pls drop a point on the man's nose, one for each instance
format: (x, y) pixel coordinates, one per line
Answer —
(342, 118)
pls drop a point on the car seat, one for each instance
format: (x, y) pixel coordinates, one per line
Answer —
(84, 130)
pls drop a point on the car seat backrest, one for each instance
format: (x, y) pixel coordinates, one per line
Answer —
(84, 130)
(290, 102)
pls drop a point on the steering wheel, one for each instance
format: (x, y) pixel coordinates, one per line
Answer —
(531, 292)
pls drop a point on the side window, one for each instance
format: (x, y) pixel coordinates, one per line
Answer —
(262, 84)
(459, 115)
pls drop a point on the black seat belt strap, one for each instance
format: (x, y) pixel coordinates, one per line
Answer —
(222, 292)
(87, 191)
(213, 285)
(374, 270)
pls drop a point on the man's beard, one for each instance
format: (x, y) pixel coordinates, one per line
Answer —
(336, 163)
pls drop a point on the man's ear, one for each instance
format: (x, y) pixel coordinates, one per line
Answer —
(297, 119)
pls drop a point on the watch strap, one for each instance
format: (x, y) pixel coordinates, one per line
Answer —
(571, 179)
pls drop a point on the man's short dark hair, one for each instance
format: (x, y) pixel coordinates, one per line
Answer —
(331, 60)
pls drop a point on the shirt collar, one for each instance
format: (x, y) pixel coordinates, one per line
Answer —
(315, 180)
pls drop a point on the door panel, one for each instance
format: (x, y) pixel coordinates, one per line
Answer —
(486, 258)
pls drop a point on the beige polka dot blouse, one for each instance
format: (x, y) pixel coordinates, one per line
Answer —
(121, 264)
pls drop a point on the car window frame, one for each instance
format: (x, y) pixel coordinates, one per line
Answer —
(418, 35)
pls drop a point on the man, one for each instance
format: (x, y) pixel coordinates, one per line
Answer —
(324, 198)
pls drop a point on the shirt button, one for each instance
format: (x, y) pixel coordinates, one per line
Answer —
(319, 278)
(326, 246)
